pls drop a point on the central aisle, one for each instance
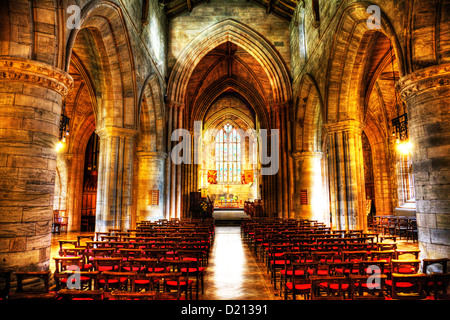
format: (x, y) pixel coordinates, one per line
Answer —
(233, 272)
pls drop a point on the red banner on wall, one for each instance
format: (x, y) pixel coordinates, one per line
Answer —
(247, 177)
(212, 176)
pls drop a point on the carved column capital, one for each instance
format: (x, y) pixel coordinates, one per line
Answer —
(157, 155)
(426, 79)
(116, 132)
(35, 72)
(175, 104)
(344, 125)
(299, 155)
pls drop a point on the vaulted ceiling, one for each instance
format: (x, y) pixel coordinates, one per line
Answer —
(283, 9)
(227, 68)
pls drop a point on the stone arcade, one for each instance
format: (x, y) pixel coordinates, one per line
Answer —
(132, 72)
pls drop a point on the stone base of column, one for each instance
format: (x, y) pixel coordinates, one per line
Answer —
(150, 179)
(309, 186)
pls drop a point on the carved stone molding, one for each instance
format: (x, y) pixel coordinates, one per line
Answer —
(344, 125)
(35, 72)
(299, 155)
(174, 104)
(426, 79)
(152, 155)
(116, 132)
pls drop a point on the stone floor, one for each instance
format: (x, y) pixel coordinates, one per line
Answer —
(233, 272)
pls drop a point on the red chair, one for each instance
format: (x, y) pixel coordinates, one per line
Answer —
(408, 286)
(66, 263)
(102, 264)
(300, 283)
(118, 280)
(436, 267)
(179, 283)
(373, 286)
(59, 221)
(329, 288)
(196, 269)
(275, 258)
(287, 272)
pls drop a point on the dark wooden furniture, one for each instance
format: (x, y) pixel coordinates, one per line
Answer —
(367, 287)
(408, 286)
(42, 292)
(127, 295)
(60, 221)
(6, 282)
(74, 294)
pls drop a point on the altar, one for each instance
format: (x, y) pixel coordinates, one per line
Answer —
(229, 204)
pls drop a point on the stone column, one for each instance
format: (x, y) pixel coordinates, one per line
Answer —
(427, 95)
(74, 196)
(346, 174)
(150, 177)
(173, 168)
(168, 169)
(115, 173)
(309, 178)
(173, 171)
(179, 170)
(31, 95)
(281, 175)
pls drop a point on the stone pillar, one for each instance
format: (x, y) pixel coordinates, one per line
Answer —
(281, 174)
(74, 196)
(173, 168)
(173, 171)
(427, 95)
(115, 173)
(150, 177)
(168, 169)
(179, 169)
(31, 95)
(309, 178)
(346, 174)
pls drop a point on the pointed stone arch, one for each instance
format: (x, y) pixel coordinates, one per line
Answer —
(117, 92)
(309, 114)
(307, 155)
(344, 66)
(213, 121)
(241, 87)
(246, 38)
(151, 112)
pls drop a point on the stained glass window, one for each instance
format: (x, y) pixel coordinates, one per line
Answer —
(228, 155)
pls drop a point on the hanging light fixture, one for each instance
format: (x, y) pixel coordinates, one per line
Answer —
(400, 123)
(63, 128)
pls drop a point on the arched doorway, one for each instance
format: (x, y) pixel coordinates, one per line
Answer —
(90, 180)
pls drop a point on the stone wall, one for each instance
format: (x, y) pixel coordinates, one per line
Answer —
(186, 27)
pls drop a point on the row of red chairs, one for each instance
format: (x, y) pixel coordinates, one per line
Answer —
(347, 255)
(153, 261)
